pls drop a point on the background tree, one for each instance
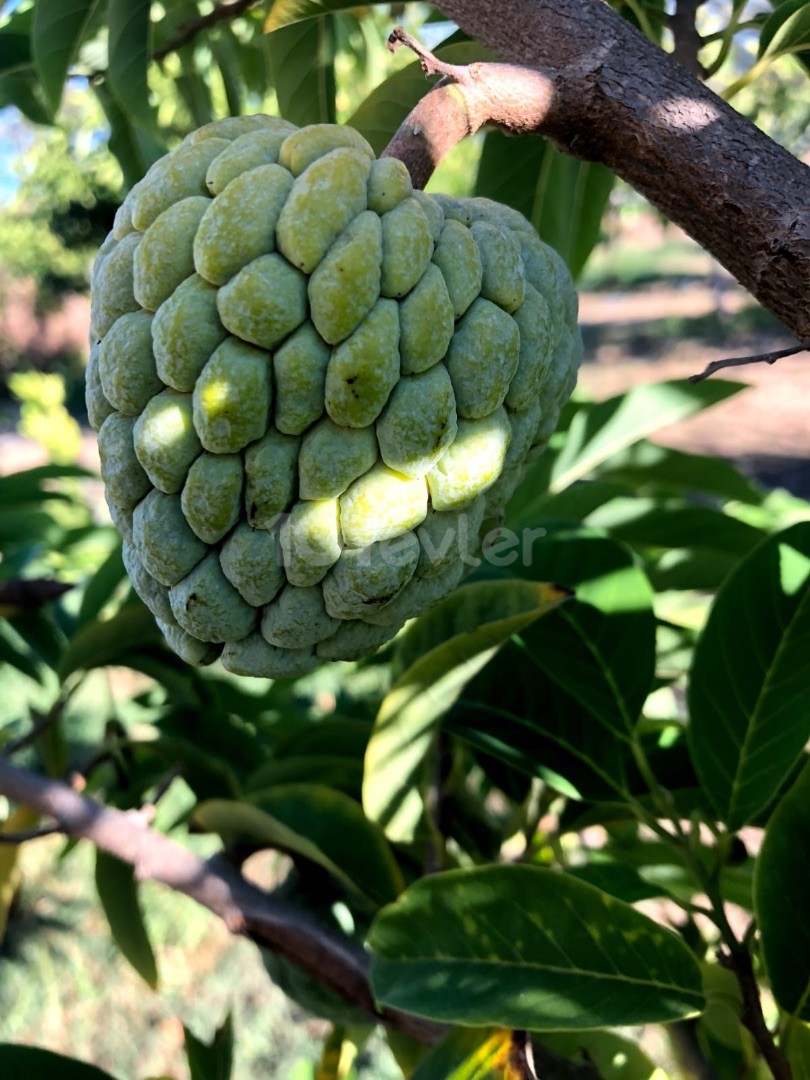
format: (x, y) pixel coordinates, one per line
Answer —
(673, 721)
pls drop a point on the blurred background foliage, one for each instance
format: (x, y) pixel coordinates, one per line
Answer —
(90, 94)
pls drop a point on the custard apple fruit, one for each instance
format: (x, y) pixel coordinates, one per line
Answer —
(313, 388)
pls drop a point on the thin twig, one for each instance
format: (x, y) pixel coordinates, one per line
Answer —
(43, 723)
(738, 961)
(25, 594)
(24, 835)
(190, 30)
(741, 361)
(686, 38)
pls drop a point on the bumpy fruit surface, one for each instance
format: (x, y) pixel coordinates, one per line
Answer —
(314, 389)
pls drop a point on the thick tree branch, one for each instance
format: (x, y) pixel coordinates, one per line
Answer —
(603, 92)
(335, 960)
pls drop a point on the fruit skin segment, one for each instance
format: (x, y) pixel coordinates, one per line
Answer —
(314, 389)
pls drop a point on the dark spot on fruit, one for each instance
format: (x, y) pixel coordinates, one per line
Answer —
(351, 380)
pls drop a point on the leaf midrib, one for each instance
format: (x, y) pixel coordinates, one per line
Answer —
(550, 968)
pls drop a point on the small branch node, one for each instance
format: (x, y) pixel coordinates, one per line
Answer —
(431, 65)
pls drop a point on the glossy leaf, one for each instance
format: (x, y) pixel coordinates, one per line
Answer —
(287, 12)
(381, 113)
(13, 651)
(99, 644)
(323, 825)
(438, 656)
(600, 431)
(786, 30)
(782, 898)
(15, 41)
(59, 28)
(302, 65)
(134, 148)
(118, 893)
(563, 197)
(528, 948)
(600, 648)
(508, 171)
(36, 1064)
(211, 1061)
(129, 53)
(563, 702)
(341, 773)
(102, 585)
(749, 693)
(647, 465)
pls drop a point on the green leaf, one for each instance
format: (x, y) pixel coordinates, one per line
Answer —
(598, 432)
(59, 29)
(675, 524)
(227, 52)
(600, 648)
(134, 148)
(323, 825)
(438, 656)
(749, 693)
(15, 42)
(528, 948)
(343, 774)
(287, 12)
(22, 90)
(787, 30)
(620, 881)
(36, 1064)
(129, 52)
(99, 644)
(118, 893)
(302, 64)
(211, 1061)
(563, 197)
(782, 898)
(102, 585)
(27, 486)
(647, 465)
(797, 1050)
(15, 653)
(381, 113)
(563, 702)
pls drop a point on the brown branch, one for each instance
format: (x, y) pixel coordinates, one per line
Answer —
(332, 958)
(602, 91)
(687, 42)
(742, 361)
(188, 31)
(738, 961)
(25, 835)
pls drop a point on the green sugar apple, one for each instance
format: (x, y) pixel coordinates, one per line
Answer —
(314, 389)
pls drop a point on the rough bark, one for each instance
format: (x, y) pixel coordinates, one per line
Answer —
(610, 95)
